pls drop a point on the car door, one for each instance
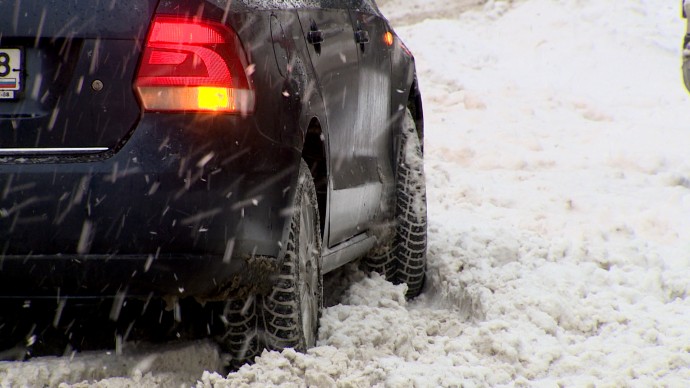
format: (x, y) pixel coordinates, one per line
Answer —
(333, 52)
(372, 132)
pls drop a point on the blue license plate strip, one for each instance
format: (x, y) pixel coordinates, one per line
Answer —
(11, 69)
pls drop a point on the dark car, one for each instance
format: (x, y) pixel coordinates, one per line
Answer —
(225, 152)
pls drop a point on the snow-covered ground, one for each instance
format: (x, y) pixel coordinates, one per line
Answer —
(558, 167)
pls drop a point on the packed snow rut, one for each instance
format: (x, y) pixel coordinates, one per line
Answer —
(559, 219)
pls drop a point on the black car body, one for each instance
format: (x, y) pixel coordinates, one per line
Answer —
(153, 147)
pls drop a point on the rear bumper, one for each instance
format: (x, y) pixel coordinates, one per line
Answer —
(180, 209)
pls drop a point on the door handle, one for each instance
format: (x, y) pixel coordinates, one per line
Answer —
(361, 36)
(315, 37)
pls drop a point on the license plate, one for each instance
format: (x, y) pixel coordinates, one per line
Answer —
(10, 73)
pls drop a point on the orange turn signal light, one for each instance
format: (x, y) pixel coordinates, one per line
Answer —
(211, 98)
(388, 38)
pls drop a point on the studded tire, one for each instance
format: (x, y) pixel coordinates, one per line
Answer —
(241, 338)
(290, 313)
(287, 316)
(402, 258)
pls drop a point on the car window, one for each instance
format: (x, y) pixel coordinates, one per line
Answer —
(368, 6)
(267, 4)
(358, 5)
(339, 4)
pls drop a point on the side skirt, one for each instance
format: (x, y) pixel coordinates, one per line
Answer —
(346, 252)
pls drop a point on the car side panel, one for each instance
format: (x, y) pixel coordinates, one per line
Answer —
(335, 63)
(373, 125)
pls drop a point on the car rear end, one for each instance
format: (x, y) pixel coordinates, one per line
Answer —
(135, 157)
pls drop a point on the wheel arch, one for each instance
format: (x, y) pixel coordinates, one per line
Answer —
(314, 154)
(414, 103)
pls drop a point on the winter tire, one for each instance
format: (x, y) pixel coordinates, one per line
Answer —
(290, 313)
(402, 258)
(288, 316)
(241, 336)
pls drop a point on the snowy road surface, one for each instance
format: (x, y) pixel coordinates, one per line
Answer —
(559, 201)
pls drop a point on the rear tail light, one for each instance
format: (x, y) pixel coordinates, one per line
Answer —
(192, 65)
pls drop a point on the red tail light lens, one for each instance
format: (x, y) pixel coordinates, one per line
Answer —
(192, 65)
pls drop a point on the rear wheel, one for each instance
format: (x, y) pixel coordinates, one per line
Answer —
(241, 335)
(288, 316)
(402, 258)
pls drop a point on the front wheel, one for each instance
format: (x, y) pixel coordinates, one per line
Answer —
(402, 258)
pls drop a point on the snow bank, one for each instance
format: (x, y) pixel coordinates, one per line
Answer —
(172, 365)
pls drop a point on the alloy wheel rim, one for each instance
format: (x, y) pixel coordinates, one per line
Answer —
(307, 268)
